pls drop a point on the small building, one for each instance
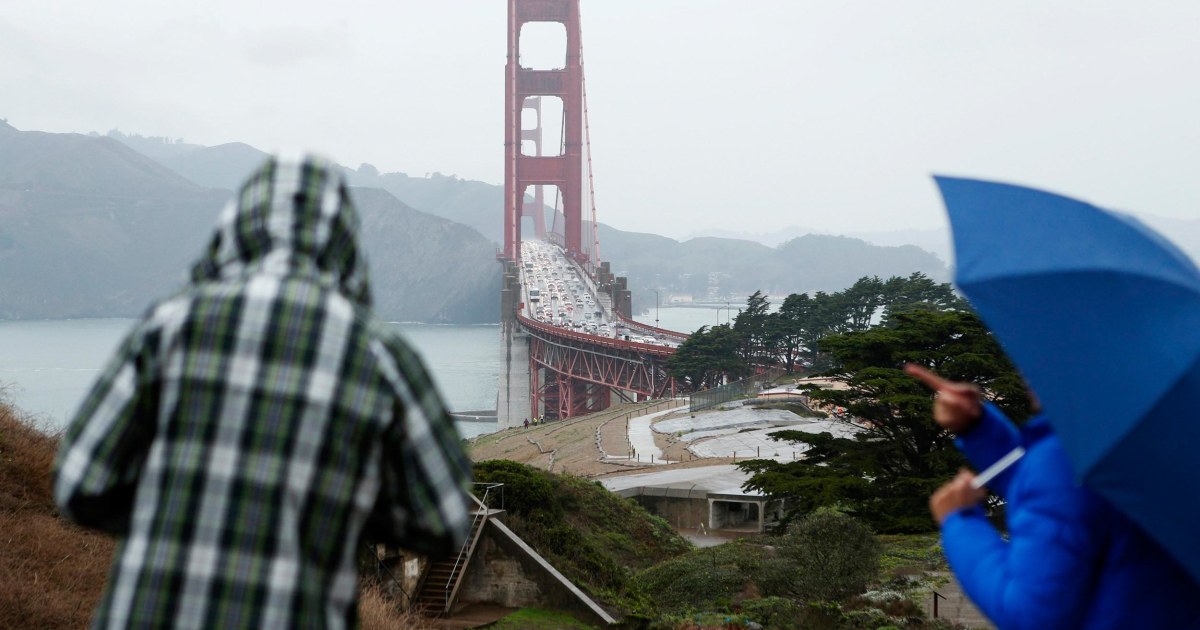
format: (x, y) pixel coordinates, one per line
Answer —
(707, 496)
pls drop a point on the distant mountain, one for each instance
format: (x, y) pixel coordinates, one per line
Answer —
(223, 166)
(699, 266)
(425, 268)
(773, 238)
(731, 268)
(739, 266)
(936, 241)
(91, 228)
(475, 204)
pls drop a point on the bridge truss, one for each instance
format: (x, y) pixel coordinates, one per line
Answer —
(573, 373)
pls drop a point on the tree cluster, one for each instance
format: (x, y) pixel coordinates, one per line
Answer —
(886, 472)
(862, 337)
(791, 336)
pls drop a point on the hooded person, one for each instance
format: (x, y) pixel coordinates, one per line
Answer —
(255, 425)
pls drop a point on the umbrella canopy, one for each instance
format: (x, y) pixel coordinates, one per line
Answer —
(1102, 315)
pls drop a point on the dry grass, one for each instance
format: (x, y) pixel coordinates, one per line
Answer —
(377, 611)
(51, 572)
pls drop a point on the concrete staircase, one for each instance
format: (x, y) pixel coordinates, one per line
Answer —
(439, 586)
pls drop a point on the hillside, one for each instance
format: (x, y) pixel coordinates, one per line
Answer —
(51, 572)
(425, 268)
(738, 268)
(90, 227)
(591, 535)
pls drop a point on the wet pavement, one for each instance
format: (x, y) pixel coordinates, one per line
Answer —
(738, 431)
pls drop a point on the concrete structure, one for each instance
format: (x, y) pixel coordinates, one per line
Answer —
(495, 567)
(513, 405)
(701, 498)
(507, 571)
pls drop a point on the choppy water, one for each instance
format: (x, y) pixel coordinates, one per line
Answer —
(46, 367)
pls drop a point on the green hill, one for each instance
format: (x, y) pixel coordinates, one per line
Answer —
(594, 537)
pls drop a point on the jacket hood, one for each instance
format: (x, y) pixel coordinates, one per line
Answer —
(290, 217)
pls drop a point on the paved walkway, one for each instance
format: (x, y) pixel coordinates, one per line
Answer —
(641, 438)
(739, 432)
(956, 607)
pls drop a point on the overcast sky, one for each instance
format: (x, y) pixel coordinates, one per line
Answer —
(705, 114)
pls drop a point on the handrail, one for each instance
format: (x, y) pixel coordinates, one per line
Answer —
(455, 579)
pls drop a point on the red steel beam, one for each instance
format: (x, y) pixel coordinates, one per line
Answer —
(521, 171)
(583, 371)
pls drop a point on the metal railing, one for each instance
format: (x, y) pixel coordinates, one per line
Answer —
(733, 391)
(452, 581)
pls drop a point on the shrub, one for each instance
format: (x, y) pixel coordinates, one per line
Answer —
(834, 556)
(776, 613)
(712, 578)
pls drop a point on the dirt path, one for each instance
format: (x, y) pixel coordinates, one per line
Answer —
(590, 446)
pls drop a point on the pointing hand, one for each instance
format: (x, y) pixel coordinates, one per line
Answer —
(956, 406)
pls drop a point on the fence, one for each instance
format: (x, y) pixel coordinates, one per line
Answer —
(732, 391)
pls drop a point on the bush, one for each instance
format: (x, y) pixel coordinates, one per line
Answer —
(833, 555)
(776, 613)
(712, 578)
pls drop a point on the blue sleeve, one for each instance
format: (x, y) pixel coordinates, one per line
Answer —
(989, 440)
(1041, 576)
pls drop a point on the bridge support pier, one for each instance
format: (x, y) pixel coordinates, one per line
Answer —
(512, 393)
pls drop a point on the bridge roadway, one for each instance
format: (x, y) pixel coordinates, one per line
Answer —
(557, 292)
(583, 354)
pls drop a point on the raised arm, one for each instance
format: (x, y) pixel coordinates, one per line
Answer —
(982, 432)
(1039, 577)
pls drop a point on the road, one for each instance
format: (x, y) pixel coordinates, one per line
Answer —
(557, 291)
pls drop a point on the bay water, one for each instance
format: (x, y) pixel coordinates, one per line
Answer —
(48, 366)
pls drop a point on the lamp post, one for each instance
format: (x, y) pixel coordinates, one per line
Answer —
(656, 308)
(723, 308)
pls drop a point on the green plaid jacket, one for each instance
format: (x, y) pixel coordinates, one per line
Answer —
(252, 427)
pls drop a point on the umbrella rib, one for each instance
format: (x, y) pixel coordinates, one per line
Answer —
(1007, 276)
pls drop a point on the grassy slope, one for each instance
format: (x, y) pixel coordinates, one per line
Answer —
(591, 535)
(51, 572)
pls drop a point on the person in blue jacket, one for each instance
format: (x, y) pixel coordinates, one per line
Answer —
(1070, 559)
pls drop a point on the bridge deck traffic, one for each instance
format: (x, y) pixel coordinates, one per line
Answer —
(559, 294)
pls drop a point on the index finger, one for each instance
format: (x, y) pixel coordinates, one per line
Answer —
(925, 375)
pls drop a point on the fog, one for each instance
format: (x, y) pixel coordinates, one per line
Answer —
(705, 115)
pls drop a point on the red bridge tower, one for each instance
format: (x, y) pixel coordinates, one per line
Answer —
(566, 170)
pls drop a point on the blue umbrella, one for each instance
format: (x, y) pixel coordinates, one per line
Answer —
(1102, 315)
